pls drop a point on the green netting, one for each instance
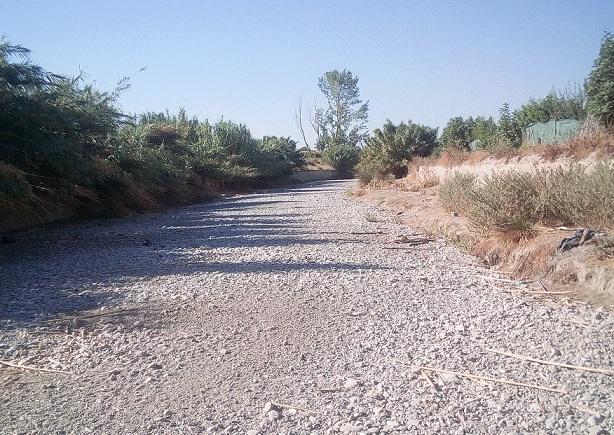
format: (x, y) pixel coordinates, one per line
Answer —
(553, 131)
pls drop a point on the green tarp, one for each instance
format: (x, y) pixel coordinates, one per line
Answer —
(553, 131)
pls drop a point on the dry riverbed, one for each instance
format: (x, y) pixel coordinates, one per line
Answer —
(293, 311)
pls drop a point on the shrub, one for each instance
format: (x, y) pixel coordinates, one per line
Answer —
(389, 150)
(576, 196)
(505, 201)
(454, 192)
(343, 157)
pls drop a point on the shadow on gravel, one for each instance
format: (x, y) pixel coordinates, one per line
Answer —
(70, 268)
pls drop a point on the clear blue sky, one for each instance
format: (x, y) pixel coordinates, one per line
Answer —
(250, 60)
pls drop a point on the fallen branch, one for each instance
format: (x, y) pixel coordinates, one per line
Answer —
(552, 363)
(547, 293)
(503, 279)
(284, 405)
(20, 366)
(410, 246)
(485, 378)
(355, 233)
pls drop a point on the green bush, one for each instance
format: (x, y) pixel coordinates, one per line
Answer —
(389, 149)
(60, 134)
(343, 157)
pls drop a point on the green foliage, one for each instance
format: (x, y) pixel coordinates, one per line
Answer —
(389, 149)
(600, 84)
(556, 105)
(457, 133)
(345, 119)
(59, 134)
(486, 131)
(51, 123)
(342, 156)
(510, 133)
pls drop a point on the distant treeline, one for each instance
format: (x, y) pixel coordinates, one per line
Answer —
(388, 150)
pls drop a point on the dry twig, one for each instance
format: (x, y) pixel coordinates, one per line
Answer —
(485, 378)
(552, 363)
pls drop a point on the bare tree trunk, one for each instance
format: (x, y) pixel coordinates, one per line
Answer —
(299, 121)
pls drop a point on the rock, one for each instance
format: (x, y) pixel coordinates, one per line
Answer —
(594, 420)
(349, 427)
(272, 415)
(350, 383)
(252, 432)
(154, 366)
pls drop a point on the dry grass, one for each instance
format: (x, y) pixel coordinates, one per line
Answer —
(595, 141)
(418, 180)
(454, 192)
(517, 201)
(599, 142)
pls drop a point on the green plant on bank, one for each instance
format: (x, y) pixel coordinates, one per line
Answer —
(576, 196)
(59, 135)
(342, 156)
(389, 149)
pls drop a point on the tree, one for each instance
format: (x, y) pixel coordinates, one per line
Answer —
(315, 120)
(345, 119)
(457, 133)
(568, 104)
(600, 84)
(485, 131)
(509, 131)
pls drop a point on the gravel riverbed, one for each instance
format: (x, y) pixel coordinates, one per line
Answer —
(293, 311)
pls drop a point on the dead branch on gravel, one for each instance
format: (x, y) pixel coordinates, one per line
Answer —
(552, 363)
(512, 281)
(298, 408)
(484, 378)
(38, 369)
(406, 239)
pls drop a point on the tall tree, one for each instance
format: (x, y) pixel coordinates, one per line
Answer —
(345, 118)
(509, 131)
(600, 84)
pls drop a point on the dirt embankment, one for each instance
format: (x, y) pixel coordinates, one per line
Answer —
(584, 272)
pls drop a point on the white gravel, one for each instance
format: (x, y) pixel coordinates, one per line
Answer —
(264, 314)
